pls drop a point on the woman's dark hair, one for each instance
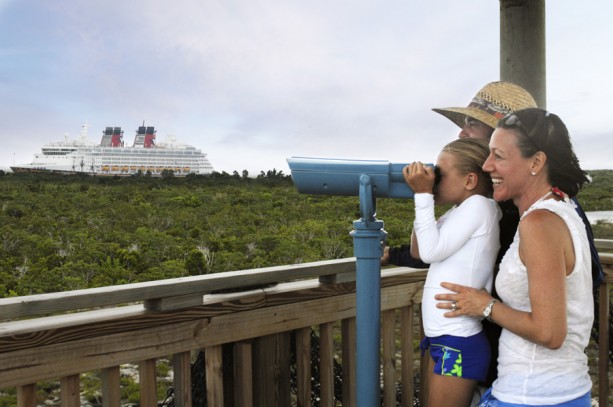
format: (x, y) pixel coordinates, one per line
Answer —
(540, 130)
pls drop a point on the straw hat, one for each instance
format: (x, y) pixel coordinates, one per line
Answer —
(494, 101)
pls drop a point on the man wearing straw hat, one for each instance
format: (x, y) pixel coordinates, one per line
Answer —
(478, 120)
(494, 101)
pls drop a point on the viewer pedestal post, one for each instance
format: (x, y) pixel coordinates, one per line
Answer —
(368, 249)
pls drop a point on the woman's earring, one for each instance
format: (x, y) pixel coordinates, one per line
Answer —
(533, 173)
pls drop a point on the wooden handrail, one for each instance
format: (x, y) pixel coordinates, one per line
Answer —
(189, 289)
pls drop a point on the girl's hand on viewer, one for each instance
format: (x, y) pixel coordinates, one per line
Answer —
(419, 177)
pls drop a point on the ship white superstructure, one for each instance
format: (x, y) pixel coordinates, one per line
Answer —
(113, 157)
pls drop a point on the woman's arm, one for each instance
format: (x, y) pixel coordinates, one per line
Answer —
(546, 249)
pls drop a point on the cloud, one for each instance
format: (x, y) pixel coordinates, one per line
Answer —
(253, 82)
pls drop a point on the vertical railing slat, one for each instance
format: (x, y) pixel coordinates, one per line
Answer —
(214, 375)
(348, 330)
(406, 350)
(271, 364)
(326, 370)
(243, 374)
(303, 366)
(70, 392)
(388, 325)
(148, 383)
(111, 387)
(423, 369)
(26, 395)
(181, 364)
(603, 345)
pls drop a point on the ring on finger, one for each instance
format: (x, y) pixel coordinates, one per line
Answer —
(454, 306)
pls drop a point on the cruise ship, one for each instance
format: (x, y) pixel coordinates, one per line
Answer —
(113, 157)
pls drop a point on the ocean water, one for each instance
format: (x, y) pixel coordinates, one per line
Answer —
(603, 216)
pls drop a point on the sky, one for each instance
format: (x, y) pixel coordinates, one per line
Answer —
(253, 82)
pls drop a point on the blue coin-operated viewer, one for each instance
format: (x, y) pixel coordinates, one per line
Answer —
(367, 179)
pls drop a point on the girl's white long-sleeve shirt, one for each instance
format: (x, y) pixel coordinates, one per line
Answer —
(461, 248)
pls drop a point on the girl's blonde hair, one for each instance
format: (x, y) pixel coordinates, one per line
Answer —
(471, 154)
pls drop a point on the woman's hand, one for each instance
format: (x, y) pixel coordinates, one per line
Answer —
(419, 177)
(468, 301)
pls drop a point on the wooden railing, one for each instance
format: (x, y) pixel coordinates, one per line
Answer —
(58, 336)
(255, 312)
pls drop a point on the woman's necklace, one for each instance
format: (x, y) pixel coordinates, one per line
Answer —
(541, 199)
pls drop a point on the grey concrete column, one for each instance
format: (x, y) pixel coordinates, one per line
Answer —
(522, 46)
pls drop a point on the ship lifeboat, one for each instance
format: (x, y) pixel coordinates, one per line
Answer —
(177, 169)
(151, 169)
(115, 168)
(143, 168)
(186, 169)
(133, 168)
(124, 169)
(106, 168)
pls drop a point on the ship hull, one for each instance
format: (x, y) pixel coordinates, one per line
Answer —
(112, 158)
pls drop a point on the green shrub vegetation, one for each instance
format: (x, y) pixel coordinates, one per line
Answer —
(66, 232)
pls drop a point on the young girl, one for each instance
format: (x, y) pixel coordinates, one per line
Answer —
(460, 247)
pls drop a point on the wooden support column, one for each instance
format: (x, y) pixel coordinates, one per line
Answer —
(522, 46)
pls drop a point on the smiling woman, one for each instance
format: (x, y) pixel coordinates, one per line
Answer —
(542, 356)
